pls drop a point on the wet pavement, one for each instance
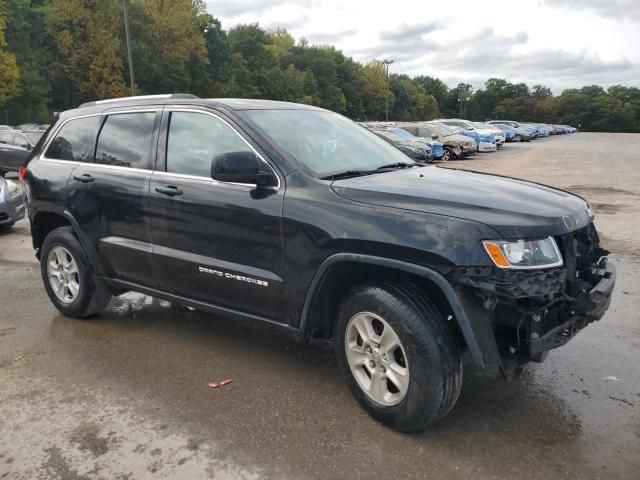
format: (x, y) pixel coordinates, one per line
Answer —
(125, 396)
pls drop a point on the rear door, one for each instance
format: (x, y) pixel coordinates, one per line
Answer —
(21, 149)
(216, 242)
(6, 152)
(109, 195)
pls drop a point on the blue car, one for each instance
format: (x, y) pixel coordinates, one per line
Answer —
(437, 148)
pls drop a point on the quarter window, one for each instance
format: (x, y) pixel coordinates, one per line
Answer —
(195, 139)
(125, 140)
(75, 140)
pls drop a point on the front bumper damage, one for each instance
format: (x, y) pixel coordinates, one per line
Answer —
(519, 315)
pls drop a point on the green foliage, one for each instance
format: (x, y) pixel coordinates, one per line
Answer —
(55, 54)
(9, 73)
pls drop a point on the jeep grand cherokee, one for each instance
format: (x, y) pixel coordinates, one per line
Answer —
(297, 218)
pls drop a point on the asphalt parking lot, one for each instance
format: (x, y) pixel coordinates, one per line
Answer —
(125, 396)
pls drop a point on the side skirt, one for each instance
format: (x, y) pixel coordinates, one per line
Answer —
(242, 317)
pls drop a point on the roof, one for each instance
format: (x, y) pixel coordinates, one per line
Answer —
(229, 103)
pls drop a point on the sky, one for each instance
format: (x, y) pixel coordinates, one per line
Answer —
(557, 43)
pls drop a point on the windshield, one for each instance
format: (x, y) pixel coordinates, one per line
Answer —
(402, 133)
(324, 142)
(388, 134)
(482, 125)
(34, 137)
(443, 130)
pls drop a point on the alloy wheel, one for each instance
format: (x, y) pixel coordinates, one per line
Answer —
(377, 358)
(63, 274)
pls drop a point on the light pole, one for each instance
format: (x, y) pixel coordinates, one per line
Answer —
(460, 100)
(126, 33)
(387, 63)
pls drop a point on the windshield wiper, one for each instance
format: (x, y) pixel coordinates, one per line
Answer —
(397, 165)
(347, 174)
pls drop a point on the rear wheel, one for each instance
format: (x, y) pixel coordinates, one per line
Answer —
(74, 289)
(398, 356)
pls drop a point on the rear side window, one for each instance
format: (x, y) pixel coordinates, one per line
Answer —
(6, 138)
(125, 140)
(195, 139)
(75, 140)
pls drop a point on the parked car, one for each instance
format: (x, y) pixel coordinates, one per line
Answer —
(529, 131)
(455, 145)
(15, 147)
(437, 148)
(520, 134)
(540, 130)
(298, 219)
(5, 127)
(495, 131)
(416, 150)
(485, 140)
(11, 203)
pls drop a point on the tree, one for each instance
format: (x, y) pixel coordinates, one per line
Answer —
(9, 73)
(87, 36)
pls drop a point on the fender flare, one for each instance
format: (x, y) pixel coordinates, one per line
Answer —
(459, 313)
(91, 253)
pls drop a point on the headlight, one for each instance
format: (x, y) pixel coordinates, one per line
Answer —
(418, 150)
(524, 254)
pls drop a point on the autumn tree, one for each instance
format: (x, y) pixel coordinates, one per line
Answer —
(9, 74)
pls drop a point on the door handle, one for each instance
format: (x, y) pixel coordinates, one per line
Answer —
(85, 178)
(170, 190)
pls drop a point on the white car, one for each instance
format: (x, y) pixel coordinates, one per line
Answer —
(499, 134)
(489, 141)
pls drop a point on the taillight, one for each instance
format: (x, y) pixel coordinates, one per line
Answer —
(22, 172)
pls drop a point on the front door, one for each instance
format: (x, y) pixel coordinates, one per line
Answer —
(108, 196)
(215, 242)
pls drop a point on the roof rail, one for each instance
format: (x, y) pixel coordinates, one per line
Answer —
(140, 97)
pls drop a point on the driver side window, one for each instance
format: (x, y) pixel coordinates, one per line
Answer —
(194, 139)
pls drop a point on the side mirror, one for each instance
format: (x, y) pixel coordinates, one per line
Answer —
(240, 167)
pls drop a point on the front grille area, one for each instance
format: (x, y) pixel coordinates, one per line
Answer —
(581, 251)
(3, 217)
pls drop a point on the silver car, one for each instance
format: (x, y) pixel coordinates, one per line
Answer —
(11, 203)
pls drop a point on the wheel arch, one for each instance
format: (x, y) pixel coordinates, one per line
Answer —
(319, 312)
(44, 222)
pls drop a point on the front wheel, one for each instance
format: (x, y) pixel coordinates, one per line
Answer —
(447, 155)
(74, 289)
(517, 138)
(398, 356)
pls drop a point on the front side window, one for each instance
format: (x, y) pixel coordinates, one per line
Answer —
(21, 141)
(195, 139)
(75, 140)
(324, 142)
(125, 140)
(7, 138)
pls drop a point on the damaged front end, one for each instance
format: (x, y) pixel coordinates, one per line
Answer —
(520, 315)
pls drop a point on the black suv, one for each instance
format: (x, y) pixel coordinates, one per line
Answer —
(297, 218)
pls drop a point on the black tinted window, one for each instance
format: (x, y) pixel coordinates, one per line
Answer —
(75, 140)
(195, 139)
(125, 140)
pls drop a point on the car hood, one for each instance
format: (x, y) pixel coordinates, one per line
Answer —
(455, 138)
(413, 144)
(513, 208)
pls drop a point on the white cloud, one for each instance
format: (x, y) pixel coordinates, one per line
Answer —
(560, 43)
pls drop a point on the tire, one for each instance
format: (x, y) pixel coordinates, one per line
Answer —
(517, 138)
(92, 295)
(430, 354)
(448, 155)
(6, 227)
